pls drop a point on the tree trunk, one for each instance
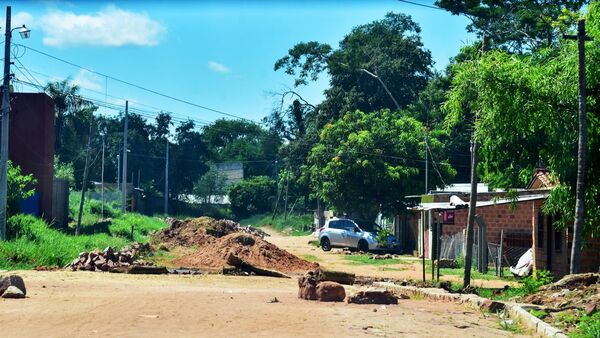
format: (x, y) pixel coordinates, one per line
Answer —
(581, 155)
(472, 212)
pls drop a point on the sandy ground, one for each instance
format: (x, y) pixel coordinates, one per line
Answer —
(299, 246)
(87, 304)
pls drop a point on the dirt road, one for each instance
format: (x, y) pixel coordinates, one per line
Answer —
(410, 268)
(82, 304)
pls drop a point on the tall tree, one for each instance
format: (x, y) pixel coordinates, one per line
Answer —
(390, 48)
(516, 25)
(366, 163)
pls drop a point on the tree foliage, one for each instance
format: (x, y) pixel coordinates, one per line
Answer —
(526, 109)
(367, 162)
(252, 196)
(390, 48)
(517, 25)
(19, 187)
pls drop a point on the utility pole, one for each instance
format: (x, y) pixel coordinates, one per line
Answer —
(139, 173)
(102, 178)
(4, 130)
(124, 181)
(167, 181)
(118, 171)
(426, 160)
(85, 177)
(473, 196)
(581, 38)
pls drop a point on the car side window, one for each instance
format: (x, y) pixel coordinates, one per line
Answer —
(335, 225)
(346, 225)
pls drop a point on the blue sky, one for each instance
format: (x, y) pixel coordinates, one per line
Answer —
(218, 54)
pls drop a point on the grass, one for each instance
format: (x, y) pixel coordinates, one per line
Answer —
(311, 258)
(588, 326)
(33, 243)
(490, 275)
(366, 260)
(511, 325)
(295, 225)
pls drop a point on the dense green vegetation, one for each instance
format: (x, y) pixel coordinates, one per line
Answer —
(32, 242)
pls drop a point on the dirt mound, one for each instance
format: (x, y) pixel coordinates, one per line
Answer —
(214, 240)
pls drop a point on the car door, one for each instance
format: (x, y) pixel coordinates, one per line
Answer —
(351, 236)
(334, 232)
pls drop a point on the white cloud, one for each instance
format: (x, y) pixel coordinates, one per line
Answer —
(112, 27)
(18, 20)
(217, 67)
(88, 80)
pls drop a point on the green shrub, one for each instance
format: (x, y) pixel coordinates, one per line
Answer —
(95, 208)
(142, 226)
(382, 236)
(252, 196)
(32, 242)
(19, 187)
(588, 327)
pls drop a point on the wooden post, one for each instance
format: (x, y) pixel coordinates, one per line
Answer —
(499, 264)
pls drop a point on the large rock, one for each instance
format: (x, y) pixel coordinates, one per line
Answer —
(307, 286)
(13, 292)
(12, 280)
(330, 292)
(373, 296)
(573, 281)
(492, 306)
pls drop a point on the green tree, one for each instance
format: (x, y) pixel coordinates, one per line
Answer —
(527, 117)
(390, 47)
(517, 25)
(252, 196)
(366, 163)
(19, 187)
(212, 183)
(244, 141)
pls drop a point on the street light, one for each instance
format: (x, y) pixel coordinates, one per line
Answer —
(426, 131)
(384, 86)
(24, 32)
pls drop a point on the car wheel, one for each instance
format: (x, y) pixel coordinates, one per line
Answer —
(363, 245)
(325, 244)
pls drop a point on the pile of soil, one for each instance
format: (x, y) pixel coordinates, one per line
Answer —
(570, 297)
(214, 240)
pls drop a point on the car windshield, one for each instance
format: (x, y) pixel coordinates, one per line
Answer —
(369, 226)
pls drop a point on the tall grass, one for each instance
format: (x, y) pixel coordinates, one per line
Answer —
(33, 243)
(295, 225)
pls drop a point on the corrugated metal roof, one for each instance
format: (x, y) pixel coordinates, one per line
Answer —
(480, 204)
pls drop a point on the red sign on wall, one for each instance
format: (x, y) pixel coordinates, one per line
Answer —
(448, 217)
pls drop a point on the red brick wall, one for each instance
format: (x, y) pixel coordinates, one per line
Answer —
(31, 142)
(590, 256)
(497, 217)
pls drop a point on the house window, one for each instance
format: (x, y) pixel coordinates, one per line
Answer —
(540, 230)
(558, 239)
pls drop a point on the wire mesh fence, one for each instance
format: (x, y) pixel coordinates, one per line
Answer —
(500, 255)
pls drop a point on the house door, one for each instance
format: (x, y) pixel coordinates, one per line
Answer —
(549, 232)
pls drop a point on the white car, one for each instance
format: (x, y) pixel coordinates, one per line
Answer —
(345, 233)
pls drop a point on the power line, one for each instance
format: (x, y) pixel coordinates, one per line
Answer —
(141, 87)
(422, 5)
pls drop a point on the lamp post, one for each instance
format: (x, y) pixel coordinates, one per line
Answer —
(24, 32)
(426, 130)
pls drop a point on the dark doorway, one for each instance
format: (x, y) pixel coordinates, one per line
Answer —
(549, 232)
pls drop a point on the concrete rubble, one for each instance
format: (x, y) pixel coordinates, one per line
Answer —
(12, 286)
(111, 260)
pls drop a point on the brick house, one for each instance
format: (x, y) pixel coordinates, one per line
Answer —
(521, 221)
